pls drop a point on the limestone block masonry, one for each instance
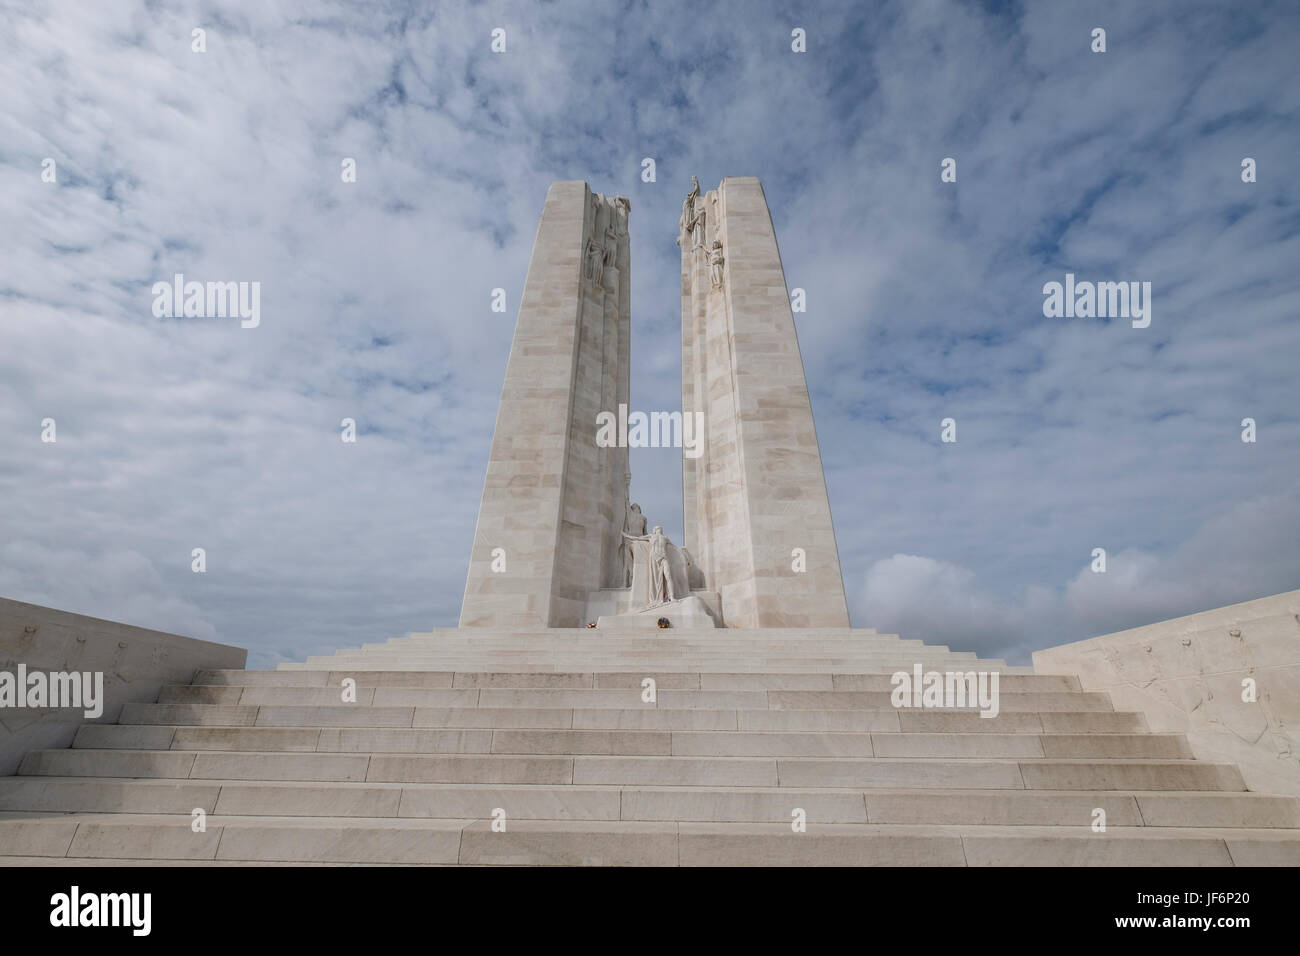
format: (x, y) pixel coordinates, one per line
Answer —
(553, 727)
(136, 663)
(1193, 675)
(552, 500)
(757, 492)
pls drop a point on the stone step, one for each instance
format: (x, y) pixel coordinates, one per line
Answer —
(584, 639)
(607, 843)
(747, 654)
(648, 668)
(631, 742)
(608, 647)
(626, 698)
(654, 647)
(860, 772)
(482, 660)
(1009, 683)
(643, 717)
(1003, 808)
(738, 665)
(604, 643)
(872, 700)
(801, 663)
(473, 634)
(751, 844)
(253, 839)
(700, 804)
(587, 638)
(594, 640)
(84, 862)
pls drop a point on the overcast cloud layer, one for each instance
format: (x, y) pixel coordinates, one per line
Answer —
(924, 298)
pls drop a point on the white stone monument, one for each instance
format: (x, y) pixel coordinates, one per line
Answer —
(757, 493)
(552, 514)
(559, 542)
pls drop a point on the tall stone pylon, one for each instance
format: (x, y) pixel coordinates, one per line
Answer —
(758, 520)
(551, 516)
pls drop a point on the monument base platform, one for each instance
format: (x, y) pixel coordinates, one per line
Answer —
(690, 612)
(608, 747)
(618, 602)
(676, 649)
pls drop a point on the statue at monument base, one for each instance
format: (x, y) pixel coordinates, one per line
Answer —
(661, 582)
(633, 527)
(659, 571)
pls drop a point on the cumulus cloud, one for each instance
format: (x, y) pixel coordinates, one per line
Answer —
(85, 582)
(1248, 552)
(936, 601)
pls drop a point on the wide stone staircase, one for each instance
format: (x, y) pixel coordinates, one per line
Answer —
(547, 747)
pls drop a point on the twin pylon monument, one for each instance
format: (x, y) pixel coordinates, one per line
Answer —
(559, 542)
(764, 732)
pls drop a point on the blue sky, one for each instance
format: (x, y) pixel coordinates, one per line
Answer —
(924, 298)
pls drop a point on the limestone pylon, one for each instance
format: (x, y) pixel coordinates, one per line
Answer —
(757, 516)
(549, 522)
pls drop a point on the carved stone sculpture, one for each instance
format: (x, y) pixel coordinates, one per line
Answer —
(697, 225)
(611, 248)
(595, 261)
(634, 526)
(686, 226)
(715, 264)
(694, 576)
(659, 572)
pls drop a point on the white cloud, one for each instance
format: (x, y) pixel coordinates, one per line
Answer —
(1245, 554)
